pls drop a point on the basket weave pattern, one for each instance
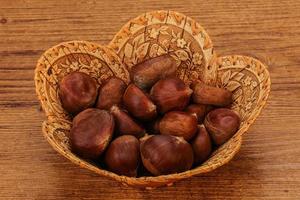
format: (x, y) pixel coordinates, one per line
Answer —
(146, 36)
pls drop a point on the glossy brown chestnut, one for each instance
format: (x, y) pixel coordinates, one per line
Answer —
(77, 92)
(170, 94)
(138, 103)
(111, 93)
(222, 124)
(123, 155)
(125, 125)
(205, 94)
(201, 145)
(198, 109)
(166, 154)
(179, 124)
(146, 73)
(91, 131)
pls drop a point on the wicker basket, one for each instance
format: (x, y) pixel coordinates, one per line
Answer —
(147, 36)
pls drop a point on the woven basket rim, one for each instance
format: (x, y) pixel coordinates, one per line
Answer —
(203, 31)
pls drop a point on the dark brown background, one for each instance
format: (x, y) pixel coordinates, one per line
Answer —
(268, 164)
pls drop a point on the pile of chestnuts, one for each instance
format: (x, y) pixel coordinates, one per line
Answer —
(155, 125)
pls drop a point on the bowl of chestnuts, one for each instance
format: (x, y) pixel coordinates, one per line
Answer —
(154, 106)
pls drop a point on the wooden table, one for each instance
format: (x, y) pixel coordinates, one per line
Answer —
(268, 165)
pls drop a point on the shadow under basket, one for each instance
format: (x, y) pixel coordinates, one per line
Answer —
(150, 35)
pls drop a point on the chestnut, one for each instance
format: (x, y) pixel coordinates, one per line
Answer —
(178, 123)
(77, 92)
(205, 94)
(138, 103)
(148, 72)
(166, 154)
(91, 131)
(201, 145)
(123, 155)
(222, 124)
(198, 109)
(111, 93)
(170, 94)
(125, 125)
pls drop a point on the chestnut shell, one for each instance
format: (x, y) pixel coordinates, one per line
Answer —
(170, 94)
(222, 124)
(166, 154)
(205, 94)
(202, 146)
(148, 72)
(138, 103)
(125, 124)
(77, 92)
(111, 93)
(123, 155)
(91, 131)
(179, 124)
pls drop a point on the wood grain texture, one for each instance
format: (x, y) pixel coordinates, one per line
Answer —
(268, 165)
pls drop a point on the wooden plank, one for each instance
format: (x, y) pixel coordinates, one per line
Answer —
(268, 164)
